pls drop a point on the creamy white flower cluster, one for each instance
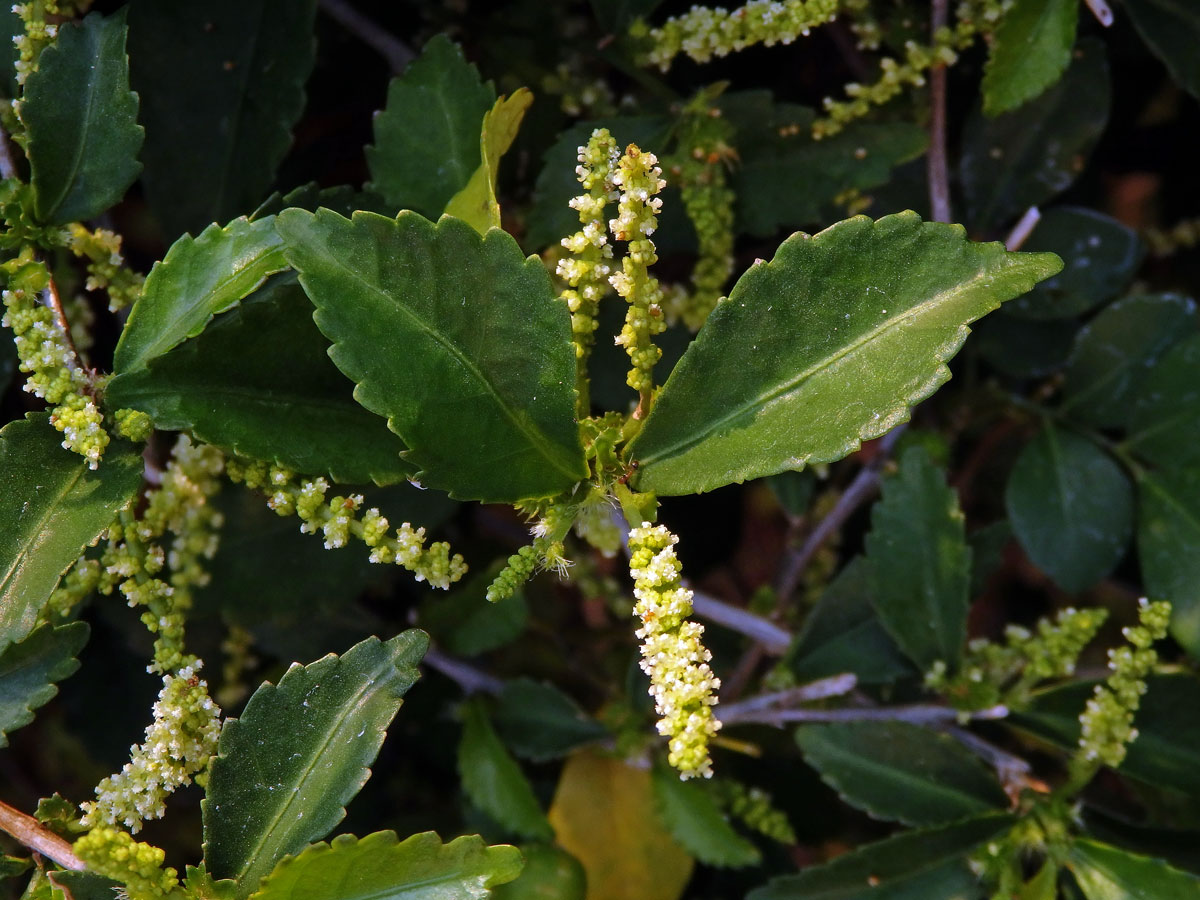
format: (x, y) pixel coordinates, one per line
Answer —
(681, 682)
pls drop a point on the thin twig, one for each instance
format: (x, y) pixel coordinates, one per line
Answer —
(916, 713)
(1101, 11)
(937, 167)
(397, 53)
(774, 640)
(1011, 768)
(1024, 227)
(54, 301)
(834, 686)
(8, 165)
(36, 836)
(466, 676)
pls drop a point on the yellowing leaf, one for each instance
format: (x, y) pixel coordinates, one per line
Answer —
(476, 203)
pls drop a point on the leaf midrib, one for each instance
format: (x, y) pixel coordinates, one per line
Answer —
(790, 385)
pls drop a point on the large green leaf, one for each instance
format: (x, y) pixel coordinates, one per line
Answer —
(30, 669)
(1071, 507)
(901, 772)
(222, 84)
(1166, 752)
(379, 867)
(81, 120)
(476, 203)
(1025, 157)
(198, 278)
(1115, 352)
(1171, 28)
(913, 865)
(456, 338)
(258, 381)
(692, 816)
(826, 346)
(1105, 872)
(300, 750)
(1168, 533)
(920, 562)
(1165, 426)
(493, 780)
(539, 722)
(427, 138)
(51, 507)
(1029, 51)
(550, 873)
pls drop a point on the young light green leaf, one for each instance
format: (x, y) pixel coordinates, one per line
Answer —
(29, 671)
(1165, 426)
(51, 507)
(493, 780)
(826, 346)
(1171, 29)
(278, 398)
(900, 772)
(1025, 157)
(1030, 50)
(1104, 872)
(82, 124)
(550, 873)
(198, 278)
(540, 722)
(1168, 532)
(1115, 352)
(913, 865)
(476, 203)
(456, 338)
(1043, 885)
(299, 752)
(427, 138)
(1071, 507)
(380, 867)
(694, 819)
(920, 562)
(222, 84)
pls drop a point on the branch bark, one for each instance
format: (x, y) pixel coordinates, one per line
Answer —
(36, 836)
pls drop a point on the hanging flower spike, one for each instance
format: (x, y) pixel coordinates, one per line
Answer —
(681, 682)
(139, 867)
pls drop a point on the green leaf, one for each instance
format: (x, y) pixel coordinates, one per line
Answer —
(456, 338)
(279, 399)
(1101, 257)
(694, 819)
(826, 346)
(222, 84)
(30, 669)
(1165, 425)
(1166, 752)
(843, 634)
(900, 772)
(913, 865)
(81, 120)
(1030, 50)
(616, 15)
(51, 507)
(1116, 351)
(198, 278)
(427, 138)
(299, 752)
(1108, 873)
(1024, 348)
(476, 203)
(380, 867)
(549, 874)
(920, 562)
(793, 490)
(539, 722)
(465, 623)
(1043, 885)
(1025, 157)
(1171, 28)
(1071, 507)
(493, 780)
(987, 553)
(85, 885)
(1168, 533)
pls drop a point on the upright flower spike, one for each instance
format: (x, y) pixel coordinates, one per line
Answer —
(639, 179)
(681, 682)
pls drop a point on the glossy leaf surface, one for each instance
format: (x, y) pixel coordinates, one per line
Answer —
(476, 203)
(299, 752)
(381, 867)
(279, 399)
(826, 346)
(1030, 50)
(82, 121)
(1168, 529)
(900, 772)
(1165, 426)
(198, 278)
(1171, 28)
(694, 819)
(29, 671)
(1105, 872)
(1071, 507)
(222, 85)
(427, 137)
(456, 338)
(51, 507)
